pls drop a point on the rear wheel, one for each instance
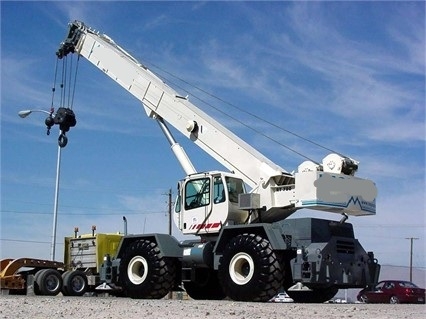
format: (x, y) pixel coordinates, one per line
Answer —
(249, 269)
(64, 287)
(206, 287)
(49, 282)
(394, 300)
(36, 288)
(318, 295)
(145, 273)
(75, 283)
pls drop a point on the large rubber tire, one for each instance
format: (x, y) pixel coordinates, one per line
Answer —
(145, 273)
(207, 287)
(64, 287)
(318, 295)
(249, 269)
(36, 287)
(75, 283)
(49, 282)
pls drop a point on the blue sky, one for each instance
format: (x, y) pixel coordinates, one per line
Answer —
(347, 75)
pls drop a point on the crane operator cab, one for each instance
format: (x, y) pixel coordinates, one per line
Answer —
(207, 201)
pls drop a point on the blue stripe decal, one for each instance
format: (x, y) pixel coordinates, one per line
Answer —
(364, 205)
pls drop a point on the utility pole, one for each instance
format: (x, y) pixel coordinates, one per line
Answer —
(411, 256)
(170, 204)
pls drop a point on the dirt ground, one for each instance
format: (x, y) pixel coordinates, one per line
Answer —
(35, 307)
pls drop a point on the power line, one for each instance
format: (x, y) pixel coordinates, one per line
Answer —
(389, 225)
(128, 212)
(26, 241)
(119, 211)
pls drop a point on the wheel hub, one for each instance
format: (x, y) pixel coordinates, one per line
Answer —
(137, 270)
(77, 284)
(52, 283)
(241, 268)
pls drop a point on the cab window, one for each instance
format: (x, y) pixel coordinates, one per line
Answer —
(218, 190)
(235, 187)
(177, 204)
(197, 193)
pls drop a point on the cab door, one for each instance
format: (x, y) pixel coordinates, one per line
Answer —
(197, 205)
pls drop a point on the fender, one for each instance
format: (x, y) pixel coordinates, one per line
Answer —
(167, 244)
(271, 232)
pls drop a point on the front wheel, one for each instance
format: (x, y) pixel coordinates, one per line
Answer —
(145, 272)
(363, 299)
(249, 269)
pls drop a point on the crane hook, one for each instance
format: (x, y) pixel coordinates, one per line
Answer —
(62, 139)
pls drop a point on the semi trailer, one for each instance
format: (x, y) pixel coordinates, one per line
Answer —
(76, 275)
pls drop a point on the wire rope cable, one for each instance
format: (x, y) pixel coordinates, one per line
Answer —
(168, 75)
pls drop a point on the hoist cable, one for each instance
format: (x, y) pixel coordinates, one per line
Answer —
(69, 70)
(68, 85)
(75, 82)
(54, 84)
(62, 102)
(64, 82)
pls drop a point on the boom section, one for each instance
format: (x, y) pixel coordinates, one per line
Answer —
(161, 101)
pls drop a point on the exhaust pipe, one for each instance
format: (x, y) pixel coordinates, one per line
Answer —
(125, 225)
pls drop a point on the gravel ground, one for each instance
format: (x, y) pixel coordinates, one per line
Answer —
(111, 307)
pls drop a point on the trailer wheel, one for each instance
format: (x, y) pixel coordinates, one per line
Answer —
(64, 286)
(208, 289)
(49, 282)
(75, 283)
(36, 287)
(249, 269)
(145, 272)
(316, 295)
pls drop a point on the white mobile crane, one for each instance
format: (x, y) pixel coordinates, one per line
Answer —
(248, 250)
